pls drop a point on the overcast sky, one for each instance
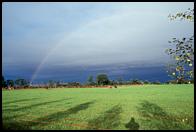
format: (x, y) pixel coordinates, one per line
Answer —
(39, 35)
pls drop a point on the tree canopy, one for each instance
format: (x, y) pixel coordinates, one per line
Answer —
(102, 79)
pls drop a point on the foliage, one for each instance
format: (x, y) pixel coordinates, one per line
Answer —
(187, 15)
(115, 86)
(136, 81)
(73, 84)
(182, 53)
(51, 83)
(10, 83)
(113, 82)
(22, 83)
(146, 82)
(90, 80)
(102, 79)
(120, 80)
(3, 82)
(183, 59)
(181, 82)
(156, 82)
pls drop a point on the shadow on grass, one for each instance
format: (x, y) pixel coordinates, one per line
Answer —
(34, 105)
(63, 114)
(17, 101)
(109, 120)
(132, 125)
(15, 125)
(11, 117)
(42, 121)
(156, 118)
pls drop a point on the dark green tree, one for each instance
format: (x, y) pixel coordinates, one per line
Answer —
(120, 80)
(22, 83)
(90, 80)
(102, 79)
(136, 81)
(146, 82)
(113, 82)
(3, 82)
(10, 83)
(52, 84)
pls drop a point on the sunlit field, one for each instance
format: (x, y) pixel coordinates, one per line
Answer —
(126, 107)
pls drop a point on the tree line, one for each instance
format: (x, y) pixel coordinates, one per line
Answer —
(101, 80)
(18, 83)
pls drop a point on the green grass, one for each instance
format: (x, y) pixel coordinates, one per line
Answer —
(149, 106)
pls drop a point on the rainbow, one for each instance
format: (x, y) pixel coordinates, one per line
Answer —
(46, 58)
(68, 37)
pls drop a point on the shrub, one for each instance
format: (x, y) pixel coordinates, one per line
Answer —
(146, 82)
(136, 81)
(157, 82)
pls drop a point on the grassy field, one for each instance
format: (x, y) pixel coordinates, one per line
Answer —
(147, 106)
